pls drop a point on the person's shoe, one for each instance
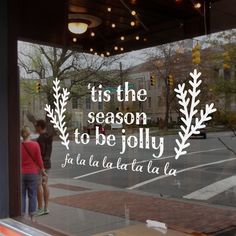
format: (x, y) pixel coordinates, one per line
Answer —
(32, 218)
(40, 212)
(46, 211)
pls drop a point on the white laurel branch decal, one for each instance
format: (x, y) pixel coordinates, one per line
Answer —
(57, 115)
(189, 111)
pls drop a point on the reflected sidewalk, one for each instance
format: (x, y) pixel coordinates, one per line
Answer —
(84, 208)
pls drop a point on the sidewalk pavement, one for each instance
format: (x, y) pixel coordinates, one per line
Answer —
(78, 221)
(83, 208)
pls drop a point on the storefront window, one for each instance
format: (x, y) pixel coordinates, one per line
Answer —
(108, 176)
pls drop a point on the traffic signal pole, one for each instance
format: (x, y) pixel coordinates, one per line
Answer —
(121, 82)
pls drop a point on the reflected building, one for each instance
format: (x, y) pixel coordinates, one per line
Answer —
(140, 77)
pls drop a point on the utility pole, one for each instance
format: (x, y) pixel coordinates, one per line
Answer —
(121, 83)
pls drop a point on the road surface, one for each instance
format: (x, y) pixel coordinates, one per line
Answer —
(207, 173)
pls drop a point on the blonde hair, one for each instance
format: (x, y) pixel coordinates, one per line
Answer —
(25, 132)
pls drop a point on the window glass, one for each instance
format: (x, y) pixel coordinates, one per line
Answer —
(128, 155)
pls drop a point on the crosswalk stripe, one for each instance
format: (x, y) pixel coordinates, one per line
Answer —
(212, 189)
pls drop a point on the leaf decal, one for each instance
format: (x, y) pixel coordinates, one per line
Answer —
(57, 115)
(189, 111)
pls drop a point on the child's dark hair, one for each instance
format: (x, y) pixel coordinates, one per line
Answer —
(41, 124)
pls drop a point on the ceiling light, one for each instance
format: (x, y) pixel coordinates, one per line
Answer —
(133, 13)
(92, 34)
(132, 23)
(109, 9)
(113, 25)
(102, 55)
(122, 49)
(122, 38)
(116, 48)
(79, 23)
(91, 49)
(197, 5)
(96, 53)
(137, 37)
(77, 27)
(74, 40)
(145, 39)
(108, 53)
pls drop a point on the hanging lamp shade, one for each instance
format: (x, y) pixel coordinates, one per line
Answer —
(77, 27)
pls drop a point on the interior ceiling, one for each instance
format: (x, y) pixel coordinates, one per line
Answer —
(156, 22)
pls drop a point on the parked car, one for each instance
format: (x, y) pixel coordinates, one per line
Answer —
(91, 130)
(201, 134)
